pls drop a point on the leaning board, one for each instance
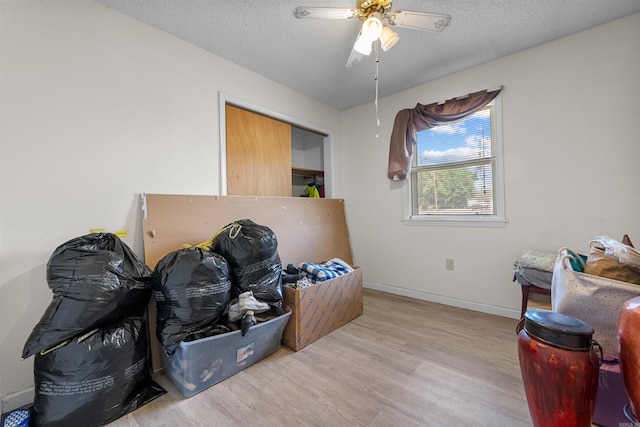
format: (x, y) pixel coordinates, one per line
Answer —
(306, 229)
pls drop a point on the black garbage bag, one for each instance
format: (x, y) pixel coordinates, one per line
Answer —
(252, 253)
(96, 280)
(192, 288)
(95, 378)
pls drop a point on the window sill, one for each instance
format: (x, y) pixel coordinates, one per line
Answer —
(456, 222)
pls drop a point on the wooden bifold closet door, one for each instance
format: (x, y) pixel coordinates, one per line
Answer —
(258, 154)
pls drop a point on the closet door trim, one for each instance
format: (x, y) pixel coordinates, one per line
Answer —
(327, 144)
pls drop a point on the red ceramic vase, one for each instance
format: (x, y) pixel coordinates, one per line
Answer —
(560, 369)
(629, 345)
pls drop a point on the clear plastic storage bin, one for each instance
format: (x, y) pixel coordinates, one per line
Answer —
(197, 365)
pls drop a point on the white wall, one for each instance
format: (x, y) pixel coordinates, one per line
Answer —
(571, 126)
(306, 149)
(97, 108)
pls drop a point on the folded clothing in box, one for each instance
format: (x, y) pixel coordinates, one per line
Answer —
(329, 270)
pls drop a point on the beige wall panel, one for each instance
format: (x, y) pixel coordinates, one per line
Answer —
(306, 229)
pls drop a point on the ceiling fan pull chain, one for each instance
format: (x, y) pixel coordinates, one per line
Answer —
(376, 101)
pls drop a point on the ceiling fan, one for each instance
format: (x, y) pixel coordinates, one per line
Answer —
(375, 13)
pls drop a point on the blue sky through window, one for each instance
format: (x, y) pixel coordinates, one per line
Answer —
(467, 139)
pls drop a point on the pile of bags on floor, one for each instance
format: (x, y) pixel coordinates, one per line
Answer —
(593, 287)
(91, 343)
(230, 282)
(590, 286)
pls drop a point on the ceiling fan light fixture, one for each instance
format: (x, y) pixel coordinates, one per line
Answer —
(388, 38)
(372, 27)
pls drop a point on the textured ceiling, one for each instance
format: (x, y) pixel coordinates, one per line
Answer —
(309, 55)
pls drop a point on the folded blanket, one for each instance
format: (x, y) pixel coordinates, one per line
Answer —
(329, 270)
(539, 260)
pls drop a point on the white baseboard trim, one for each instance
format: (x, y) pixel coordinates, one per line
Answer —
(425, 296)
(17, 400)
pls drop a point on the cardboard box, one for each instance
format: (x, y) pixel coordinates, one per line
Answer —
(307, 229)
(322, 308)
(198, 365)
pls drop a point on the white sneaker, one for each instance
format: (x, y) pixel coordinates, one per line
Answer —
(248, 302)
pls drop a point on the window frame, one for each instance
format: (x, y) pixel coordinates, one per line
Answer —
(471, 220)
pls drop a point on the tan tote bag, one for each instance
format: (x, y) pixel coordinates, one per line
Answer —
(613, 259)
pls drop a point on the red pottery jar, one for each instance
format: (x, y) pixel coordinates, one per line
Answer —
(560, 364)
(629, 346)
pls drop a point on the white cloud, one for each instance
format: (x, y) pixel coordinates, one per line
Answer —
(452, 128)
(446, 156)
(469, 151)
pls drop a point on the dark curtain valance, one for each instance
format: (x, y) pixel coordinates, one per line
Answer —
(410, 121)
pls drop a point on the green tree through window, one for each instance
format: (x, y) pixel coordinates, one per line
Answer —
(446, 189)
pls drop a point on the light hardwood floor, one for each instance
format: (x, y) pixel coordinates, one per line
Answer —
(404, 362)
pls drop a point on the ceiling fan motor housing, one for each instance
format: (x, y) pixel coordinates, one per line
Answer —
(366, 7)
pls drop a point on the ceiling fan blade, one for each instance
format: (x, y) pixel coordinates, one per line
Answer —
(423, 21)
(355, 58)
(324, 12)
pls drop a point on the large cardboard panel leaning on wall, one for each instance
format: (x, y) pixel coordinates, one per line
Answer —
(306, 229)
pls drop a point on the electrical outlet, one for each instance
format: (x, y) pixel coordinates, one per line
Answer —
(449, 264)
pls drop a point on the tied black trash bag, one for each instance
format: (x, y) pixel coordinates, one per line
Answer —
(96, 280)
(192, 288)
(95, 378)
(252, 253)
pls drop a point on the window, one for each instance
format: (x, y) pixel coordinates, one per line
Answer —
(456, 174)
